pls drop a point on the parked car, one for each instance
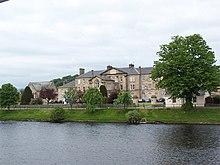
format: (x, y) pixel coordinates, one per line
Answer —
(161, 100)
(141, 100)
(148, 100)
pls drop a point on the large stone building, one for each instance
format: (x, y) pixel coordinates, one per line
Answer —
(136, 80)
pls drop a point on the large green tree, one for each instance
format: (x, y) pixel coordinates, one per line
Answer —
(26, 96)
(71, 96)
(92, 97)
(185, 67)
(124, 98)
(9, 95)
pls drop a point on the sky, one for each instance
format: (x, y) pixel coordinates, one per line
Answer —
(41, 40)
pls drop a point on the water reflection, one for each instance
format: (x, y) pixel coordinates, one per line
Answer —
(190, 144)
(92, 143)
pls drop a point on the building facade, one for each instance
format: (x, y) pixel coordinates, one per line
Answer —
(136, 80)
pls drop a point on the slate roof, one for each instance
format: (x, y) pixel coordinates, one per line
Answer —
(129, 71)
(68, 85)
(91, 74)
(41, 85)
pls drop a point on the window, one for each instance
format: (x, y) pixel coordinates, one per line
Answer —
(96, 83)
(142, 77)
(79, 82)
(83, 81)
(132, 87)
(132, 79)
(174, 100)
(109, 87)
(149, 86)
(143, 87)
(121, 87)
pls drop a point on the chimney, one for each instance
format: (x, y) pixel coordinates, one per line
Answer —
(81, 71)
(109, 67)
(131, 66)
(92, 73)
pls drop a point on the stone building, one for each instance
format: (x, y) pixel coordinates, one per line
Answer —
(136, 80)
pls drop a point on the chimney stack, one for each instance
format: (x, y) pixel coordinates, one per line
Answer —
(81, 71)
(109, 67)
(131, 66)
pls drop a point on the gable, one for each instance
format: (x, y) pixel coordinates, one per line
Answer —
(113, 71)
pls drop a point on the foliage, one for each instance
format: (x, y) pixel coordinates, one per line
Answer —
(80, 95)
(48, 93)
(133, 117)
(66, 79)
(124, 98)
(113, 95)
(9, 95)
(36, 101)
(71, 96)
(92, 97)
(57, 115)
(103, 91)
(26, 96)
(186, 67)
(216, 99)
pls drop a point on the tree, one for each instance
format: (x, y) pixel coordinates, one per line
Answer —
(124, 98)
(92, 97)
(48, 94)
(185, 67)
(9, 95)
(113, 95)
(26, 96)
(71, 96)
(103, 91)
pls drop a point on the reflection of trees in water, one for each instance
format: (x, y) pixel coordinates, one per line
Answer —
(192, 136)
(191, 144)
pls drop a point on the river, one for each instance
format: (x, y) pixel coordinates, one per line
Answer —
(35, 143)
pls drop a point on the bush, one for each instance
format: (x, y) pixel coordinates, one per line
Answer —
(133, 117)
(37, 101)
(187, 106)
(216, 100)
(57, 115)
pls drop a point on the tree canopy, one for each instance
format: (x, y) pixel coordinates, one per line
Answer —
(92, 97)
(9, 95)
(124, 98)
(48, 94)
(185, 67)
(71, 96)
(26, 96)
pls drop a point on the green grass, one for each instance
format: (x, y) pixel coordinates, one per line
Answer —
(197, 116)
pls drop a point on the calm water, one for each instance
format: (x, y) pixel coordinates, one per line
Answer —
(30, 143)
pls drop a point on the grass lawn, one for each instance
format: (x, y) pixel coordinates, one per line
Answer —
(197, 116)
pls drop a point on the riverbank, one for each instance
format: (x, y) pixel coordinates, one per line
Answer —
(167, 116)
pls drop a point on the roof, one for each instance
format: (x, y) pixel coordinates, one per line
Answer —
(68, 85)
(41, 85)
(91, 74)
(127, 70)
(103, 78)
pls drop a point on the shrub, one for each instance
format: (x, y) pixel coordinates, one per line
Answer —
(133, 117)
(57, 115)
(216, 100)
(187, 106)
(37, 101)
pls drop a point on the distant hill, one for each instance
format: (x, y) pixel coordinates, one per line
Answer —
(60, 81)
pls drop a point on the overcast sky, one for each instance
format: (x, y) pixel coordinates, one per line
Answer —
(45, 39)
